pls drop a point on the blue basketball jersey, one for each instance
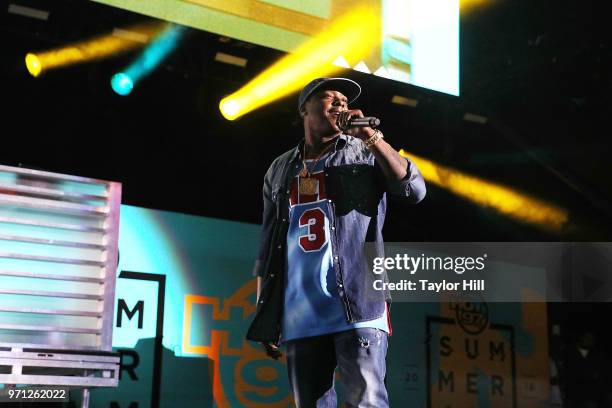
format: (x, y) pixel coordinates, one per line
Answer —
(312, 305)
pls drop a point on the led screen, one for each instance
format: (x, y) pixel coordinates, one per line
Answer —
(419, 38)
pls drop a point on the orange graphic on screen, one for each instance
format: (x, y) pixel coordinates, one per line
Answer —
(249, 357)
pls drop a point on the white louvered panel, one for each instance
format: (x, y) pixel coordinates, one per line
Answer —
(58, 257)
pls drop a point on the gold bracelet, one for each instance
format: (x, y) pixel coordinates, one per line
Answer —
(372, 140)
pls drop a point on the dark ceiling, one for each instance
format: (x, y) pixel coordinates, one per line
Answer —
(539, 70)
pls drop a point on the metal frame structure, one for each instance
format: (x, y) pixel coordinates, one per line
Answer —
(49, 336)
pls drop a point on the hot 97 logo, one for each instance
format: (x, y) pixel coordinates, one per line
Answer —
(473, 317)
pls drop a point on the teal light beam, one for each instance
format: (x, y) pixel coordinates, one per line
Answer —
(160, 48)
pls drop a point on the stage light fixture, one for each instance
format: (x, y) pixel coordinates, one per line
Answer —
(122, 84)
(230, 108)
(131, 35)
(33, 65)
(31, 12)
(472, 117)
(230, 59)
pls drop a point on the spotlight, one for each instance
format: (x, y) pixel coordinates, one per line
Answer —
(122, 84)
(230, 108)
(33, 64)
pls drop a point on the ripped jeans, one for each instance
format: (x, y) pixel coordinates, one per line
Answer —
(359, 354)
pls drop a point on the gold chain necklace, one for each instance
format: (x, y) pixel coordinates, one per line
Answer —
(305, 173)
(310, 185)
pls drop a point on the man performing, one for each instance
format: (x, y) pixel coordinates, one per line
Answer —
(323, 200)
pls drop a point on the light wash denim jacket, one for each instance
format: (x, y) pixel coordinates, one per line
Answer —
(356, 190)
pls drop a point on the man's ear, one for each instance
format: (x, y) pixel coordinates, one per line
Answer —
(302, 112)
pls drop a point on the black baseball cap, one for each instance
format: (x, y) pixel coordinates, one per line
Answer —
(348, 87)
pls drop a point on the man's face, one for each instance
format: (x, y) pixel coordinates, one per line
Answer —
(321, 110)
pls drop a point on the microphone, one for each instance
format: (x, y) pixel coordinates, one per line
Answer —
(370, 121)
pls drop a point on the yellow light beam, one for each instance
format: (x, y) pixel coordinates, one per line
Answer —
(352, 35)
(88, 50)
(507, 201)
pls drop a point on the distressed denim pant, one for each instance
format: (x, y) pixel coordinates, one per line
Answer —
(359, 354)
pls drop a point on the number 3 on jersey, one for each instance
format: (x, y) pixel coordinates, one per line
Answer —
(316, 237)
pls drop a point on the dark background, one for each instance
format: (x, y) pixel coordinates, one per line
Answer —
(538, 70)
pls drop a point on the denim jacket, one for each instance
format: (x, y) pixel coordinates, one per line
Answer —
(356, 189)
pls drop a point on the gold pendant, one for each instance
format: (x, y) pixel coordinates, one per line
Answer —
(309, 186)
